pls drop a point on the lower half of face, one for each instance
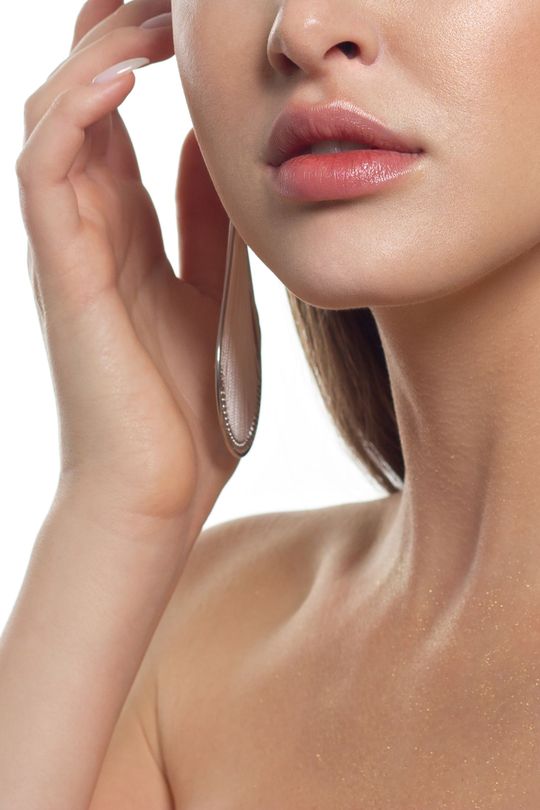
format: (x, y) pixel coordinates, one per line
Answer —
(460, 76)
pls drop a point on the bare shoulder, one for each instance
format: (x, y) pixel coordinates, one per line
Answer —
(245, 576)
(265, 538)
(243, 582)
(230, 555)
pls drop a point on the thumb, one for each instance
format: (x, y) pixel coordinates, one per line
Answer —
(203, 223)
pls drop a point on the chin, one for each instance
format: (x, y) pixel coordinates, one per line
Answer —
(367, 257)
(348, 282)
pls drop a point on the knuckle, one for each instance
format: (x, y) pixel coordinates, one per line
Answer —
(21, 166)
(61, 103)
(29, 104)
(29, 109)
(32, 111)
(58, 101)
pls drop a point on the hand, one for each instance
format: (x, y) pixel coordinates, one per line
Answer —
(131, 346)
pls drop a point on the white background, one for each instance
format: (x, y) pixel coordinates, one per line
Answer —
(298, 460)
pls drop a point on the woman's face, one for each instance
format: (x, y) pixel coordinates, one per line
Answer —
(461, 77)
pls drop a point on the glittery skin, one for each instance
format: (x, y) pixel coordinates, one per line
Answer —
(301, 690)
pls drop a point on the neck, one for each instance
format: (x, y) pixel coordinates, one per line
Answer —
(465, 377)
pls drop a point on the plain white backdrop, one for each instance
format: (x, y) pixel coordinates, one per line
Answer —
(298, 460)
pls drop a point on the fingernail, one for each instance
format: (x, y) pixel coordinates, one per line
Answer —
(159, 21)
(121, 67)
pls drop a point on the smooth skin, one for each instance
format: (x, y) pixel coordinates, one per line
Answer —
(436, 687)
(375, 655)
(131, 350)
(141, 419)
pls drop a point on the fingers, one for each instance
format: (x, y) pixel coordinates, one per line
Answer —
(48, 200)
(132, 13)
(117, 45)
(92, 13)
(202, 221)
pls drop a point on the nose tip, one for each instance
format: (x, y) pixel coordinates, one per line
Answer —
(302, 41)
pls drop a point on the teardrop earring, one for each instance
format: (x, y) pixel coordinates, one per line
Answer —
(238, 372)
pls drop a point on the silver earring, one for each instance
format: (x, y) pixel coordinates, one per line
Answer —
(238, 373)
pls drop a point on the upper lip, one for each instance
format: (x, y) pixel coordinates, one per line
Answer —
(299, 127)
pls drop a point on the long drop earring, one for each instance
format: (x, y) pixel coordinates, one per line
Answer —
(238, 372)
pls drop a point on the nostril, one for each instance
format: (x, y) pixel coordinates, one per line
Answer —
(284, 64)
(349, 49)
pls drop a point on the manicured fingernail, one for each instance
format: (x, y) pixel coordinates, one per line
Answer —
(121, 67)
(159, 21)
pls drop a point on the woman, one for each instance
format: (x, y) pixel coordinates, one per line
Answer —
(374, 655)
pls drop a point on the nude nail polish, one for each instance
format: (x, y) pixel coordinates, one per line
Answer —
(120, 67)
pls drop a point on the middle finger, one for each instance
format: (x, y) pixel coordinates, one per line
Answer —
(117, 45)
(132, 13)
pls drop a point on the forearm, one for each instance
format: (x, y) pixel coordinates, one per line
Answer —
(89, 604)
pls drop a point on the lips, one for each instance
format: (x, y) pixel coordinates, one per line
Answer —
(298, 127)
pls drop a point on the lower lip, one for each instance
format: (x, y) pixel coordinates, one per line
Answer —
(340, 175)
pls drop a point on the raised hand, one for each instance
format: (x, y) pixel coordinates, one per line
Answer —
(131, 346)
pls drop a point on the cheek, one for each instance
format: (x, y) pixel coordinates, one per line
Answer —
(214, 45)
(474, 72)
(481, 68)
(218, 51)
(483, 64)
(513, 91)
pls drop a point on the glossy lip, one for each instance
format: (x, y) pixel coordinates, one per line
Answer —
(299, 126)
(341, 175)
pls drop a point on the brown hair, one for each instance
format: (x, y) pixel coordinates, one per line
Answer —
(346, 356)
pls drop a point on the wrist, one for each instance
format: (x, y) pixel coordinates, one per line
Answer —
(108, 511)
